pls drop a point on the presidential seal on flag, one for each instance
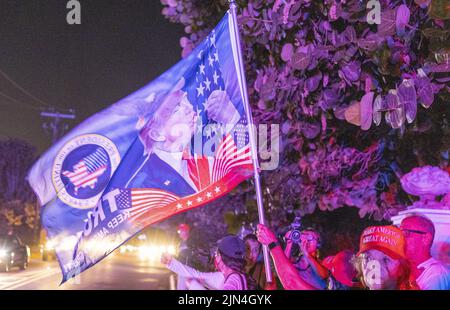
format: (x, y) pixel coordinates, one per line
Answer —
(83, 168)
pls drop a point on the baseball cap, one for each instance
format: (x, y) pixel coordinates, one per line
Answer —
(232, 246)
(387, 239)
(341, 267)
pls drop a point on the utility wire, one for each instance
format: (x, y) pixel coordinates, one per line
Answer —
(30, 106)
(22, 89)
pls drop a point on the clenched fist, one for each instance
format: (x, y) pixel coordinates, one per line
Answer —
(221, 109)
(265, 235)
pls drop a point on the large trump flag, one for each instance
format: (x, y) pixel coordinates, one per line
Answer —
(177, 143)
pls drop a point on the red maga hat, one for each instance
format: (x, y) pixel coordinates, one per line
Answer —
(387, 239)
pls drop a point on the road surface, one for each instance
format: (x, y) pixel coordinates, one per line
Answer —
(115, 272)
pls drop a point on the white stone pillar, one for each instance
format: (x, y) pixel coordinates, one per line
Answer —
(441, 220)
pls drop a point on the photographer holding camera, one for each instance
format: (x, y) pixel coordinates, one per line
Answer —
(302, 248)
(289, 275)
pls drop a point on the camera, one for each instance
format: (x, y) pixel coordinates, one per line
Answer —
(296, 230)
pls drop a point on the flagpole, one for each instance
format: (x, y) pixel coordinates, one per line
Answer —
(253, 148)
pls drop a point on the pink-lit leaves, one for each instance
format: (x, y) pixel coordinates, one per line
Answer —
(402, 19)
(408, 99)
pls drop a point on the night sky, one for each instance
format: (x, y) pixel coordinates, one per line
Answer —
(120, 46)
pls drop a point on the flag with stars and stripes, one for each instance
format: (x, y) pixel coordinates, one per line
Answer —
(86, 171)
(176, 144)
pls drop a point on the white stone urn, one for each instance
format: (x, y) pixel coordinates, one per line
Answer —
(427, 182)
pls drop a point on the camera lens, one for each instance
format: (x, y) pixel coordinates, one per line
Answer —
(295, 236)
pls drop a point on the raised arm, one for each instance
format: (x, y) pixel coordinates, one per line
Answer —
(288, 248)
(318, 268)
(213, 280)
(286, 271)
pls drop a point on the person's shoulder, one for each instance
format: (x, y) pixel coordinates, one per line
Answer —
(436, 275)
(218, 275)
(234, 278)
(233, 281)
(436, 266)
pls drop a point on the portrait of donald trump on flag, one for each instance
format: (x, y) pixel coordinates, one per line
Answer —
(167, 137)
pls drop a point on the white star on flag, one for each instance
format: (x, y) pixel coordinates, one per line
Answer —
(179, 206)
(208, 84)
(217, 189)
(208, 195)
(211, 60)
(202, 68)
(200, 90)
(189, 203)
(216, 56)
(213, 39)
(216, 77)
(199, 199)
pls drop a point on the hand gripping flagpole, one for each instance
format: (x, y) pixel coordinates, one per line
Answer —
(243, 86)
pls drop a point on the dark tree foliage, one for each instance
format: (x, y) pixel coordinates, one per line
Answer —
(18, 207)
(358, 106)
(16, 157)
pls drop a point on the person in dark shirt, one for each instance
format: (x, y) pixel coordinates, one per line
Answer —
(254, 264)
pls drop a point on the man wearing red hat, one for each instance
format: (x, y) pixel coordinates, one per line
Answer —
(381, 260)
(342, 271)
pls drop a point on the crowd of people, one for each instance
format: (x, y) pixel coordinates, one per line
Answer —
(388, 258)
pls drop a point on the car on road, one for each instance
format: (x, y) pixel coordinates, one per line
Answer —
(13, 253)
